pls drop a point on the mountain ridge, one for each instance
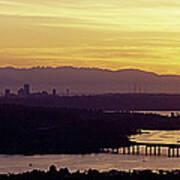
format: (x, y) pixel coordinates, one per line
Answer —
(88, 80)
(81, 68)
(86, 68)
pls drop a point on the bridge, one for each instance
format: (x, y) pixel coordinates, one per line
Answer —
(148, 149)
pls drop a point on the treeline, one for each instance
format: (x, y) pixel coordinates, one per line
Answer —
(43, 130)
(136, 101)
(65, 174)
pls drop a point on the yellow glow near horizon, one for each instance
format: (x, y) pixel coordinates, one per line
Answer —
(98, 33)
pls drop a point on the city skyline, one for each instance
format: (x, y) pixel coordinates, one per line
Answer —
(89, 81)
(102, 34)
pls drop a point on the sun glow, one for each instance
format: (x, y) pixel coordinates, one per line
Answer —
(97, 33)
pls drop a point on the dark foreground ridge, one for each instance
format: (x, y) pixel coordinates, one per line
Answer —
(43, 130)
(64, 174)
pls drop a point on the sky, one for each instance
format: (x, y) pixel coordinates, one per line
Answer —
(108, 34)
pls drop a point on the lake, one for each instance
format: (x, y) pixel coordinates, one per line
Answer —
(101, 162)
(156, 136)
(163, 113)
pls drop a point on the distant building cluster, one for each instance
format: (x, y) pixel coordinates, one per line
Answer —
(25, 91)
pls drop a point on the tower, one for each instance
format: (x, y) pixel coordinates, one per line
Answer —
(54, 92)
(67, 92)
(7, 92)
(26, 89)
(21, 92)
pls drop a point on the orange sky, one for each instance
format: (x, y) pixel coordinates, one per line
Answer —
(91, 33)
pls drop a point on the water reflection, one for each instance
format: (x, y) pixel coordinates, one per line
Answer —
(101, 162)
(163, 113)
(154, 136)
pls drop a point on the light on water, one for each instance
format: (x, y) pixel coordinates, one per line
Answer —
(155, 136)
(162, 113)
(101, 162)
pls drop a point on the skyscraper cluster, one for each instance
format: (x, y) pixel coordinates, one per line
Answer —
(25, 91)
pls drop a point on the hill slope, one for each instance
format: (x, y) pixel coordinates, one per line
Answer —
(89, 81)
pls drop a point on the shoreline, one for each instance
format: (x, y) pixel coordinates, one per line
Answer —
(28, 130)
(65, 174)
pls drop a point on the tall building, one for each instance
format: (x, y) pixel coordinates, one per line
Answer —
(7, 92)
(21, 92)
(26, 89)
(54, 92)
(67, 92)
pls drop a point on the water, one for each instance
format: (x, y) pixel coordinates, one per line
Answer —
(163, 113)
(157, 137)
(101, 162)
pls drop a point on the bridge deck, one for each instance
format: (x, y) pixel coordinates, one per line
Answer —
(156, 144)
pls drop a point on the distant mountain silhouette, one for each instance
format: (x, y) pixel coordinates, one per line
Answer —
(89, 80)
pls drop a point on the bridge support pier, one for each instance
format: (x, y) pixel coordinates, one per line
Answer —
(133, 150)
(169, 152)
(138, 150)
(155, 151)
(177, 152)
(146, 150)
(173, 152)
(128, 150)
(159, 150)
(150, 150)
